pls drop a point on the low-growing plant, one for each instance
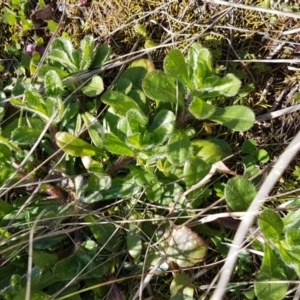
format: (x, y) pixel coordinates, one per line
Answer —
(127, 177)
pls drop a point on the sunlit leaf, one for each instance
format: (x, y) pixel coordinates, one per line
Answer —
(239, 193)
(236, 117)
(74, 145)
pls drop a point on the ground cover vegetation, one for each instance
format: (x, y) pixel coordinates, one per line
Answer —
(136, 137)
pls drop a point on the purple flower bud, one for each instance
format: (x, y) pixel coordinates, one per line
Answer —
(31, 48)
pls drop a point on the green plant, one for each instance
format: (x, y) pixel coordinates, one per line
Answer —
(143, 149)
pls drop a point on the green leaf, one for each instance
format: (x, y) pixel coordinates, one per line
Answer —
(271, 270)
(5, 153)
(163, 88)
(271, 225)
(123, 85)
(239, 193)
(122, 188)
(179, 283)
(105, 234)
(185, 247)
(62, 58)
(114, 145)
(136, 122)
(102, 55)
(194, 170)
(200, 109)
(119, 102)
(134, 240)
(290, 256)
(249, 146)
(63, 45)
(178, 148)
(236, 117)
(5, 208)
(162, 127)
(94, 88)
(53, 84)
(74, 145)
(163, 194)
(261, 155)
(25, 135)
(9, 17)
(52, 26)
(87, 46)
(94, 129)
(207, 150)
(141, 176)
(292, 237)
(214, 86)
(45, 260)
(175, 66)
(199, 61)
(137, 71)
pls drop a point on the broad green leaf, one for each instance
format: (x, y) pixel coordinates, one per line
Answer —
(271, 270)
(46, 68)
(74, 145)
(162, 127)
(200, 109)
(178, 147)
(137, 71)
(53, 105)
(94, 129)
(34, 295)
(114, 145)
(136, 122)
(239, 193)
(199, 61)
(134, 240)
(194, 170)
(106, 235)
(214, 86)
(140, 98)
(34, 100)
(163, 118)
(292, 219)
(185, 247)
(249, 146)
(5, 208)
(87, 46)
(163, 88)
(207, 150)
(121, 188)
(175, 66)
(63, 45)
(261, 155)
(94, 88)
(292, 237)
(62, 58)
(53, 84)
(25, 135)
(102, 55)
(52, 26)
(163, 194)
(290, 256)
(45, 260)
(141, 176)
(119, 102)
(271, 225)
(179, 281)
(69, 267)
(236, 117)
(136, 141)
(123, 85)
(9, 17)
